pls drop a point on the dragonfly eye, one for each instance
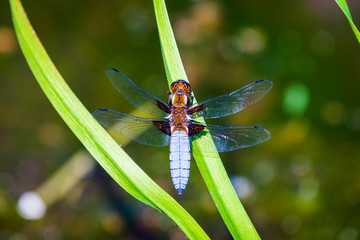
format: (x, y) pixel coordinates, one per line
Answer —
(187, 87)
(180, 84)
(173, 86)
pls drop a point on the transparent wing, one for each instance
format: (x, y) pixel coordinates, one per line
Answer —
(137, 96)
(229, 138)
(148, 131)
(234, 102)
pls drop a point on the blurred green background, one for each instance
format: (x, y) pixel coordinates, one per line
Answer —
(302, 184)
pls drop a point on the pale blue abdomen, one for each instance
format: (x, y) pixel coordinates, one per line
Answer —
(180, 159)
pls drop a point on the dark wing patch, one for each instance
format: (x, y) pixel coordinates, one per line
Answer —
(196, 109)
(163, 107)
(163, 127)
(195, 128)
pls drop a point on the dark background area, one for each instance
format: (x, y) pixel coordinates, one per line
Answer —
(302, 184)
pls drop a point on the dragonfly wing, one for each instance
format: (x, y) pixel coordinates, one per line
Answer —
(137, 96)
(231, 103)
(229, 138)
(148, 131)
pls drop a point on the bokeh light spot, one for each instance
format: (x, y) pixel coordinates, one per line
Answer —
(251, 40)
(296, 99)
(83, 165)
(207, 15)
(31, 206)
(243, 187)
(263, 173)
(300, 165)
(308, 189)
(294, 132)
(186, 31)
(7, 40)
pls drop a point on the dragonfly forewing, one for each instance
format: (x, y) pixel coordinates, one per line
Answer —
(148, 131)
(137, 96)
(231, 103)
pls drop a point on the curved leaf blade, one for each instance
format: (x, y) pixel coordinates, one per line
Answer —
(344, 7)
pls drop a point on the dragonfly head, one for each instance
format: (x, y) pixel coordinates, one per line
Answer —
(180, 85)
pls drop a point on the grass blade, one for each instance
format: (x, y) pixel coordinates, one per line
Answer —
(172, 61)
(344, 7)
(204, 151)
(103, 148)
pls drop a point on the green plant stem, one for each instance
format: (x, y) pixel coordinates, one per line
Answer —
(102, 147)
(204, 151)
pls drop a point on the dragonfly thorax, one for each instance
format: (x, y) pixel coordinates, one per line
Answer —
(179, 119)
(179, 101)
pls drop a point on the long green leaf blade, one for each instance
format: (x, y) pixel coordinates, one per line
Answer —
(204, 151)
(172, 61)
(344, 7)
(103, 148)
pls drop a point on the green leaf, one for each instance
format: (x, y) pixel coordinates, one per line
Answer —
(344, 7)
(172, 61)
(97, 141)
(204, 151)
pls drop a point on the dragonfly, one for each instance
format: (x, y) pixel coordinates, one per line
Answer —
(178, 123)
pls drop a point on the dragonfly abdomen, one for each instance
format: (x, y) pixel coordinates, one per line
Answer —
(180, 159)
